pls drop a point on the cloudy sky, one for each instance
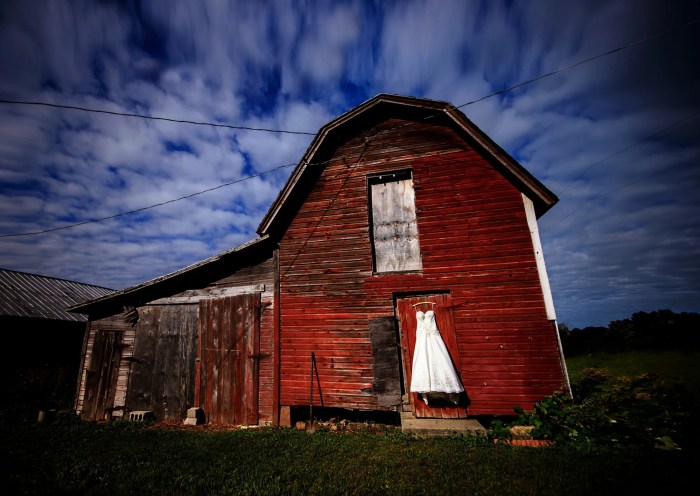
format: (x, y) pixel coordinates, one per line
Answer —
(616, 138)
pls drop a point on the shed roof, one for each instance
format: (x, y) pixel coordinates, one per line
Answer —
(385, 106)
(159, 286)
(41, 297)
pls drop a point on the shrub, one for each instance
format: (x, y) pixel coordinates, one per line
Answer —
(606, 411)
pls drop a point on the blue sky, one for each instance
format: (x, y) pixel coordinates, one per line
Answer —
(624, 237)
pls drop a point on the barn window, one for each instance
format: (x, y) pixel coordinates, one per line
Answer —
(395, 246)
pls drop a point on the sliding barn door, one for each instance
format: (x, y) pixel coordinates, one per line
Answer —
(229, 348)
(406, 315)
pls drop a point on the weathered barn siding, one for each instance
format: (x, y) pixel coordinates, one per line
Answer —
(262, 274)
(157, 367)
(163, 364)
(475, 244)
(113, 406)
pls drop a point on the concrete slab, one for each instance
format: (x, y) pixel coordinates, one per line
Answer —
(431, 427)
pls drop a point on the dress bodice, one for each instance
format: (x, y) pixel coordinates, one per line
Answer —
(420, 323)
(430, 326)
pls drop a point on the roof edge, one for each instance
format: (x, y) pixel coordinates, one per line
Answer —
(167, 277)
(544, 198)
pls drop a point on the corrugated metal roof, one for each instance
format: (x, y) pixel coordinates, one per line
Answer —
(32, 295)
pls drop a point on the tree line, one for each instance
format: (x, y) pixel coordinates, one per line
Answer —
(658, 330)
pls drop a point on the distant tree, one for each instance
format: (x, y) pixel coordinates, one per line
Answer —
(660, 329)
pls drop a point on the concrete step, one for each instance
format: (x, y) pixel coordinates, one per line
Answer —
(430, 427)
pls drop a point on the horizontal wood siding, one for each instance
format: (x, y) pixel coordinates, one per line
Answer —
(474, 242)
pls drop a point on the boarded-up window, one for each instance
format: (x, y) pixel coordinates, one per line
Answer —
(394, 227)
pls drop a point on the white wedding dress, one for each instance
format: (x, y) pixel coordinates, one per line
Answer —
(433, 376)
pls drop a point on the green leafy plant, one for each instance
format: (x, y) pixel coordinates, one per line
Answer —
(634, 411)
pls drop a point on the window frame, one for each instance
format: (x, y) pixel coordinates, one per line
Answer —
(383, 178)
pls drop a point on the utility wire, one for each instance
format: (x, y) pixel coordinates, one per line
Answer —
(122, 214)
(229, 126)
(154, 118)
(267, 130)
(581, 62)
(618, 188)
(619, 152)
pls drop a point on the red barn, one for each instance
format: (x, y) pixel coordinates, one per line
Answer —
(400, 204)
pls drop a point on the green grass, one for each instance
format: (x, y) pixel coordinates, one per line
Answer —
(77, 458)
(120, 458)
(672, 365)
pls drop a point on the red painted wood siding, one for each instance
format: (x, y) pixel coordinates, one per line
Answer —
(261, 273)
(475, 244)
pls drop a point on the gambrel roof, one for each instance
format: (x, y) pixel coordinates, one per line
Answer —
(356, 120)
(384, 106)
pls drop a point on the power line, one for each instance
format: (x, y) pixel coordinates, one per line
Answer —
(153, 118)
(122, 214)
(619, 152)
(229, 126)
(285, 131)
(618, 188)
(580, 62)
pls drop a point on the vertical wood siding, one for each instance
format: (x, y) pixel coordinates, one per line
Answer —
(229, 353)
(394, 228)
(168, 333)
(162, 372)
(475, 244)
(446, 326)
(113, 323)
(260, 273)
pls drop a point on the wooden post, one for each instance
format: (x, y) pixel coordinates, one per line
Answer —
(276, 413)
(285, 416)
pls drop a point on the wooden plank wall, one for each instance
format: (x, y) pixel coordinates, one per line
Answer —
(255, 274)
(229, 352)
(164, 352)
(260, 273)
(115, 322)
(475, 243)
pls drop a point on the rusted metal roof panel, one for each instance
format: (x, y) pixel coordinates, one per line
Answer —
(34, 296)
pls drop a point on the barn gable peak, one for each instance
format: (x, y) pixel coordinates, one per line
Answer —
(384, 106)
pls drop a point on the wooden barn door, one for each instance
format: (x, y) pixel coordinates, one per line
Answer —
(102, 375)
(229, 348)
(406, 315)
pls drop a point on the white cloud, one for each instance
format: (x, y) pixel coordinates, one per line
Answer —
(296, 65)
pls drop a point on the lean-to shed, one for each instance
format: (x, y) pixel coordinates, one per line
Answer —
(200, 336)
(401, 204)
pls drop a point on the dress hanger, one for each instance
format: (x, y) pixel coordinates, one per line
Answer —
(424, 303)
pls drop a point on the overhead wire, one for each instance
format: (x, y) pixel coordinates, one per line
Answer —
(308, 133)
(153, 118)
(618, 188)
(581, 62)
(623, 150)
(238, 127)
(142, 209)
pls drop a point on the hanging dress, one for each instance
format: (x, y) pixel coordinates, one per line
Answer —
(432, 375)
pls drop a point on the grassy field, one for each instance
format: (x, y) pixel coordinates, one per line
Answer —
(83, 458)
(672, 365)
(71, 457)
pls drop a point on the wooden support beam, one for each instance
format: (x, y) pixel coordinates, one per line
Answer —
(196, 295)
